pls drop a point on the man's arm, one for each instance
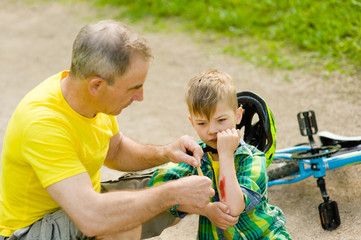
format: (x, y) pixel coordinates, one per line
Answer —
(98, 214)
(125, 154)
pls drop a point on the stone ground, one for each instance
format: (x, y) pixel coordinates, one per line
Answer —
(35, 42)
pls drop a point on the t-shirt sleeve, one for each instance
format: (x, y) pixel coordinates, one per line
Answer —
(115, 126)
(49, 149)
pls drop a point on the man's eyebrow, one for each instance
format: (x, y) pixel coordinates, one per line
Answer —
(135, 87)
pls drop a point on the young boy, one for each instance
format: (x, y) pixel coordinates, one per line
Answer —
(239, 209)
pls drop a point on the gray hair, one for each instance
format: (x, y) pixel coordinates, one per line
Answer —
(104, 49)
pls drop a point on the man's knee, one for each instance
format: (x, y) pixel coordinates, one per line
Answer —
(133, 234)
(155, 226)
(177, 220)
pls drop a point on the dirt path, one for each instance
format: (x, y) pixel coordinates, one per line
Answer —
(35, 42)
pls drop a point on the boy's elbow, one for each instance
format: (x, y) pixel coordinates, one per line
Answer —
(237, 210)
(238, 205)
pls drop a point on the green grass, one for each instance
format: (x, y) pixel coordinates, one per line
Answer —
(321, 36)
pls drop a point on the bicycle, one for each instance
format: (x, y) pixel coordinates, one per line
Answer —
(294, 164)
(305, 160)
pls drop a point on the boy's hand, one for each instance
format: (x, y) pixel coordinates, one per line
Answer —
(186, 150)
(218, 214)
(228, 140)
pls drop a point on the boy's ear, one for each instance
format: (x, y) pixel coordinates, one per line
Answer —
(96, 86)
(190, 119)
(239, 113)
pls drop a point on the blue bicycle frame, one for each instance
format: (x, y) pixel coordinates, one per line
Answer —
(316, 167)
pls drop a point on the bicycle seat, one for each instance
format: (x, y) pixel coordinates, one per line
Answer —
(258, 122)
(328, 138)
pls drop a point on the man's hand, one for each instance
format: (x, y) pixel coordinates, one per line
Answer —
(186, 150)
(194, 191)
(218, 214)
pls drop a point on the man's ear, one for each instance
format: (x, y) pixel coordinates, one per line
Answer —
(96, 86)
(239, 113)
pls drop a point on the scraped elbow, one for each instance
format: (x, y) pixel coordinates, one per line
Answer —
(237, 210)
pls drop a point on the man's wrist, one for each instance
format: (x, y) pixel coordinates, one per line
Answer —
(171, 193)
(164, 153)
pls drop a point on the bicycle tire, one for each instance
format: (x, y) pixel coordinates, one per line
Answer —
(286, 168)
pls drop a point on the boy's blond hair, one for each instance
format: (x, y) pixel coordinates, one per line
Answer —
(206, 89)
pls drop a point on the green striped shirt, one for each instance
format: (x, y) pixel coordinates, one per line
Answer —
(259, 220)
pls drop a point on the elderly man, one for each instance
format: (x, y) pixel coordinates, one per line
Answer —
(65, 129)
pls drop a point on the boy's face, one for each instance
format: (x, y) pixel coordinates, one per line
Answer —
(224, 117)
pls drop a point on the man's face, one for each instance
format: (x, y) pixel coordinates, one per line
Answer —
(223, 118)
(127, 88)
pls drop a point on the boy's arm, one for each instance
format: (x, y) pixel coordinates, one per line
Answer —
(217, 212)
(252, 176)
(230, 191)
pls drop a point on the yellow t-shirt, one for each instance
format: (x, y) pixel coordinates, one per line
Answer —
(46, 141)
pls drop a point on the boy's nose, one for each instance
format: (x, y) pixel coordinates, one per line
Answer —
(212, 129)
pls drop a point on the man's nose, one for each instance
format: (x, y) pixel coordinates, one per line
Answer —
(138, 96)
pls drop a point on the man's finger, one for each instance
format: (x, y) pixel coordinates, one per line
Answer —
(225, 208)
(198, 153)
(195, 153)
(188, 159)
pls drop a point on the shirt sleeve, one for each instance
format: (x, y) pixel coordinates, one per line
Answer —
(251, 174)
(115, 126)
(172, 171)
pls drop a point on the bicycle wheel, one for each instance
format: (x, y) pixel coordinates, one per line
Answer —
(281, 168)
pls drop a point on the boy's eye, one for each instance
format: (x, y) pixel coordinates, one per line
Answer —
(222, 120)
(201, 124)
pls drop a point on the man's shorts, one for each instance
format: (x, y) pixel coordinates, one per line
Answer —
(58, 226)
